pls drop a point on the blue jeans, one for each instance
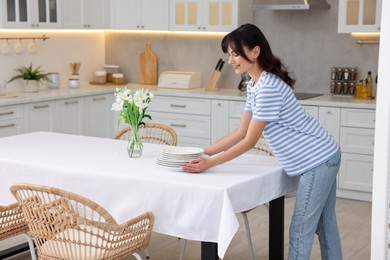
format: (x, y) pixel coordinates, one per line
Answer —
(314, 212)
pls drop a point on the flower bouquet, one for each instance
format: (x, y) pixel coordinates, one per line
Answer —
(132, 108)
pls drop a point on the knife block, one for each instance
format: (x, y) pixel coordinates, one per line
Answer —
(213, 80)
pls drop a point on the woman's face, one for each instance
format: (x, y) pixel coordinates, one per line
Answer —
(239, 63)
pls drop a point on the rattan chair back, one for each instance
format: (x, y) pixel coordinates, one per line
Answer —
(68, 226)
(151, 133)
(262, 147)
(11, 221)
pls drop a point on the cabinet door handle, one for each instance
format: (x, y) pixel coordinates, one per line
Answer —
(7, 113)
(181, 106)
(99, 99)
(178, 125)
(41, 106)
(71, 102)
(5, 126)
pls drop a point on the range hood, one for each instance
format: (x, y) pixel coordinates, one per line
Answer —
(290, 4)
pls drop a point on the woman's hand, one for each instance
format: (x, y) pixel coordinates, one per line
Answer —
(196, 166)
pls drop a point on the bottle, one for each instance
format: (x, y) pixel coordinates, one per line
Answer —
(359, 88)
(364, 92)
(369, 84)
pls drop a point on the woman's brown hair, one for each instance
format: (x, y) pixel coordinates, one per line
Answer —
(250, 35)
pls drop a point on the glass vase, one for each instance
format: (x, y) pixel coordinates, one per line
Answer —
(135, 146)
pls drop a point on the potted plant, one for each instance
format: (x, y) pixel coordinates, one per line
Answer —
(32, 77)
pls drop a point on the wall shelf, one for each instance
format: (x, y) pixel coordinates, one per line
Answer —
(43, 38)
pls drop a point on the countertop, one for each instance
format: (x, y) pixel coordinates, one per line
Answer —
(222, 94)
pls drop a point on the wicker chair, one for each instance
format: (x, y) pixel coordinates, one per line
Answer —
(65, 225)
(12, 224)
(151, 133)
(260, 148)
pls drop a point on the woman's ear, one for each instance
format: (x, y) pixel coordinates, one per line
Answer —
(256, 51)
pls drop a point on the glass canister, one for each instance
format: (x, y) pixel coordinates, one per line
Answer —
(117, 78)
(100, 76)
(111, 69)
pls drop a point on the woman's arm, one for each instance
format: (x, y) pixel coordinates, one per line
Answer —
(253, 133)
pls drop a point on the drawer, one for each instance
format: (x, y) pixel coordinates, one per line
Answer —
(181, 105)
(236, 108)
(357, 140)
(356, 172)
(185, 125)
(11, 127)
(11, 112)
(358, 118)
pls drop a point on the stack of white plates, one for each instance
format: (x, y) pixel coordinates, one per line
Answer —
(173, 157)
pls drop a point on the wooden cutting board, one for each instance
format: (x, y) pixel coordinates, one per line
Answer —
(148, 66)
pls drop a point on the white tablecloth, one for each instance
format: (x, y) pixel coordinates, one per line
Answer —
(193, 206)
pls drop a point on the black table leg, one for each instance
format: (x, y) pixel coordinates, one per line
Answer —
(209, 251)
(276, 229)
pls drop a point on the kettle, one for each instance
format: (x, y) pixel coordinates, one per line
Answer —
(245, 78)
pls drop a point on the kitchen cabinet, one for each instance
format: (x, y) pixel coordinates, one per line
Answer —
(70, 116)
(359, 16)
(357, 146)
(32, 14)
(329, 118)
(86, 14)
(219, 122)
(189, 117)
(39, 116)
(11, 120)
(209, 15)
(98, 116)
(140, 14)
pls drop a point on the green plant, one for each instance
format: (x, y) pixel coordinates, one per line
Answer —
(30, 73)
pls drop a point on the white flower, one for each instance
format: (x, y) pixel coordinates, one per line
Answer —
(138, 102)
(116, 107)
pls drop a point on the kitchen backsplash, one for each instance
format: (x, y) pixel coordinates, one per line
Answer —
(54, 54)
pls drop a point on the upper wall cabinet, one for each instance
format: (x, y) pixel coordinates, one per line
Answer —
(209, 15)
(32, 14)
(359, 16)
(140, 14)
(86, 14)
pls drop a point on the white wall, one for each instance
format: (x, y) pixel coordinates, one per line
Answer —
(55, 54)
(380, 208)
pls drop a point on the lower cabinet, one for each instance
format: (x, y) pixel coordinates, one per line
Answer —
(98, 116)
(39, 116)
(70, 116)
(90, 115)
(11, 120)
(189, 117)
(357, 146)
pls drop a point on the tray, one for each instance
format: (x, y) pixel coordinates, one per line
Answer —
(107, 83)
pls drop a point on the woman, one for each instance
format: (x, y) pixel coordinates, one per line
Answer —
(301, 145)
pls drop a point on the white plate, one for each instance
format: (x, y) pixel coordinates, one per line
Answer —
(182, 151)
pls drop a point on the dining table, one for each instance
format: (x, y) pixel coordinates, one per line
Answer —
(201, 207)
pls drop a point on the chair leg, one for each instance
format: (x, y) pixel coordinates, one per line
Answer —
(183, 248)
(31, 246)
(146, 253)
(248, 235)
(137, 256)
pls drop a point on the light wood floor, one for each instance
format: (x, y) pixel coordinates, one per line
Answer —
(354, 219)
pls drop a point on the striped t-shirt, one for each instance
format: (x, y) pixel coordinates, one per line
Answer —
(297, 139)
